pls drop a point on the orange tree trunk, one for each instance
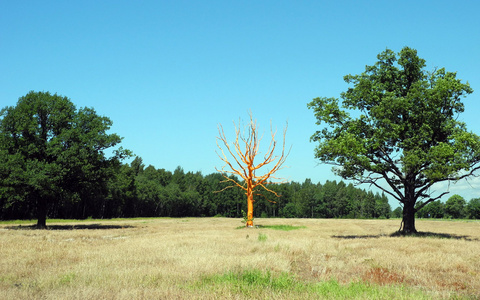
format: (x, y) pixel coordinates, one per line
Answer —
(250, 194)
(250, 209)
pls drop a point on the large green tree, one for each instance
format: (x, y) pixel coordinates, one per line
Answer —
(397, 129)
(473, 208)
(49, 150)
(455, 207)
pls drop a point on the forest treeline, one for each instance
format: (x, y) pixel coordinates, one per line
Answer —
(138, 191)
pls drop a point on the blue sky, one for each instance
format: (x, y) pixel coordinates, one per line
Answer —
(168, 72)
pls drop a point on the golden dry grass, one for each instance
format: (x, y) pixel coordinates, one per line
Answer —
(163, 258)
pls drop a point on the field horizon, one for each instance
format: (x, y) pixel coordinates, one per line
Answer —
(209, 258)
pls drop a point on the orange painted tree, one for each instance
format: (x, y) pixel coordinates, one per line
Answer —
(243, 152)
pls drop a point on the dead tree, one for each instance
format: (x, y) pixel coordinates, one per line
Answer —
(244, 150)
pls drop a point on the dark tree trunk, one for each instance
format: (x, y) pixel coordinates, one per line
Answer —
(41, 212)
(408, 221)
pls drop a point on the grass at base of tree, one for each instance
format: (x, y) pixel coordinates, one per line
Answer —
(275, 227)
(282, 227)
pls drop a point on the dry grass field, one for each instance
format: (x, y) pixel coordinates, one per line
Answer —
(211, 258)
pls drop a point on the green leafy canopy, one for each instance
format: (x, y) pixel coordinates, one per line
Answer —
(398, 123)
(49, 148)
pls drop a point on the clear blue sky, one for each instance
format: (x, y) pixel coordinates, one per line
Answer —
(168, 72)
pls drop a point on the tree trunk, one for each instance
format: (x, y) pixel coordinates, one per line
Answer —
(250, 209)
(41, 212)
(250, 196)
(408, 221)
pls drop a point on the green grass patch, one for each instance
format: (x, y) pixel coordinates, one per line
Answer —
(262, 237)
(276, 227)
(282, 227)
(266, 284)
(245, 281)
(18, 222)
(67, 279)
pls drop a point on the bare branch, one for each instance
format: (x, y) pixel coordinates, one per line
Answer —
(246, 148)
(430, 200)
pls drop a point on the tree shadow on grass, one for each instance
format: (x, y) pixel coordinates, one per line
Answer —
(70, 227)
(418, 235)
(436, 235)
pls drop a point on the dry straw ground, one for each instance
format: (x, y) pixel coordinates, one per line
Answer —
(169, 258)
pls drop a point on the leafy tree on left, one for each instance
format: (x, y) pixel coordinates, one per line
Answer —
(49, 150)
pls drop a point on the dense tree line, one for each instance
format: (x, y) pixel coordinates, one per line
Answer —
(139, 191)
(454, 208)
